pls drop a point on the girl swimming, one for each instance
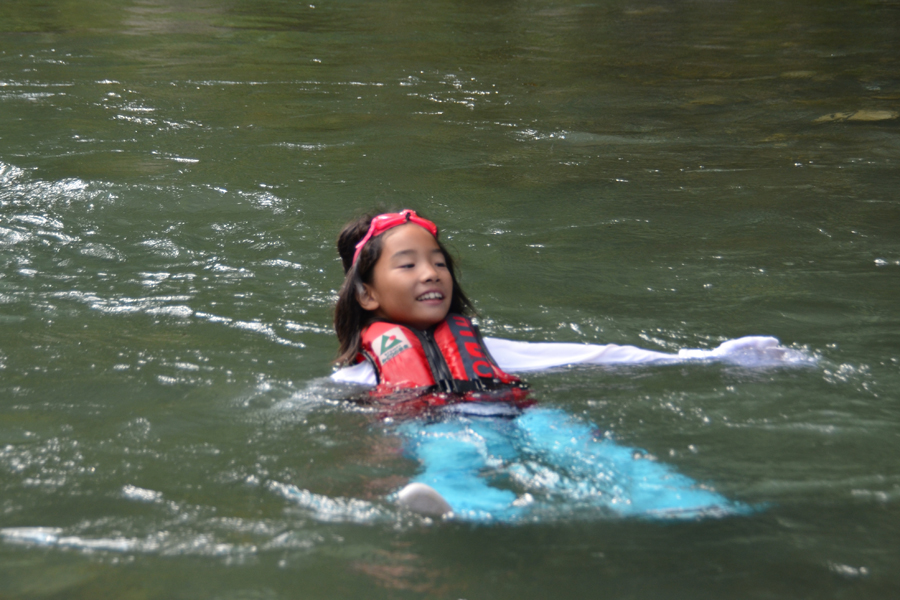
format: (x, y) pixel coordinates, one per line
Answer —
(402, 311)
(403, 326)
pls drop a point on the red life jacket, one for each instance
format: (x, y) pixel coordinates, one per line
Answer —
(447, 363)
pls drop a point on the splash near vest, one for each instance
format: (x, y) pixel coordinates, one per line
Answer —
(443, 365)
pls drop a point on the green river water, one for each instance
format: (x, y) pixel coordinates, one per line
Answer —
(665, 174)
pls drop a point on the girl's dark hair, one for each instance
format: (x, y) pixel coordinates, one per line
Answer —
(349, 317)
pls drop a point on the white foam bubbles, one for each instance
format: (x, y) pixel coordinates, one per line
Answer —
(324, 508)
(132, 492)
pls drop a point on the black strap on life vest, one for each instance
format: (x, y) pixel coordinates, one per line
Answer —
(468, 341)
(443, 379)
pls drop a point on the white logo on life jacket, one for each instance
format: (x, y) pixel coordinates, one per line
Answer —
(389, 344)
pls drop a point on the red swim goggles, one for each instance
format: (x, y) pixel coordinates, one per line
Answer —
(382, 223)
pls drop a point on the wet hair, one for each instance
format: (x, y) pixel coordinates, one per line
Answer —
(349, 317)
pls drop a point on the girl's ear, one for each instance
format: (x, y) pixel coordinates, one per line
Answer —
(366, 298)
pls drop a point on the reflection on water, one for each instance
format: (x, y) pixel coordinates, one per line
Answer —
(668, 175)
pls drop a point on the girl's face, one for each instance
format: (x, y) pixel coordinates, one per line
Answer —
(411, 284)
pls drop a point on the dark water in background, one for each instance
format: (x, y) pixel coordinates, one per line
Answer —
(172, 177)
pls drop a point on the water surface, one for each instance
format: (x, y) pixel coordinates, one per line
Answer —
(668, 175)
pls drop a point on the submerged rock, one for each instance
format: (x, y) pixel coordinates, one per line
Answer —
(860, 115)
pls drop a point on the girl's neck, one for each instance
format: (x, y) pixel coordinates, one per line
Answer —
(407, 325)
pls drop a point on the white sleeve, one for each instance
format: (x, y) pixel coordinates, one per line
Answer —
(362, 373)
(513, 356)
(532, 356)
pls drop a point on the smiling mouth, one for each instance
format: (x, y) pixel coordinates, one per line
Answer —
(431, 296)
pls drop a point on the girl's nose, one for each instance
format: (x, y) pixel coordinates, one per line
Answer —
(430, 272)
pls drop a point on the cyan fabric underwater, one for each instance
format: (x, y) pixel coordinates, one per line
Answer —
(509, 465)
